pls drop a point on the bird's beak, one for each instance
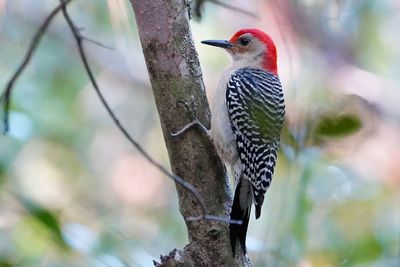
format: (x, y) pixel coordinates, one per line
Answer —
(218, 43)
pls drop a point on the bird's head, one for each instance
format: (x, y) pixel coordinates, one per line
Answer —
(250, 48)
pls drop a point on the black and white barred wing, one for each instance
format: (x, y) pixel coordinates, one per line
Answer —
(256, 109)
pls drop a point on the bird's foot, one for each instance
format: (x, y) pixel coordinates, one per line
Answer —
(195, 120)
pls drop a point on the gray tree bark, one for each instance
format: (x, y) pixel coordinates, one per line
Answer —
(175, 75)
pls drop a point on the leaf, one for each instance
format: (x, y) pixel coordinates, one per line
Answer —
(46, 218)
(338, 126)
(6, 263)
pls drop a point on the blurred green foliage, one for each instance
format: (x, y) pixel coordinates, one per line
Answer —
(74, 193)
(338, 126)
(47, 219)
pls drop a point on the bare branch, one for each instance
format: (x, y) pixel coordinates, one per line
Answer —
(175, 75)
(6, 98)
(198, 5)
(6, 95)
(213, 218)
(234, 8)
(96, 42)
(79, 41)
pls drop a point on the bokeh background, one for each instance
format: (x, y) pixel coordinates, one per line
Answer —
(74, 192)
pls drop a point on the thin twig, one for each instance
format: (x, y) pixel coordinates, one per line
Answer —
(89, 72)
(96, 42)
(6, 95)
(213, 218)
(235, 8)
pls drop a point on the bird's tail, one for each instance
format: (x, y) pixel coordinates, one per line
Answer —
(240, 212)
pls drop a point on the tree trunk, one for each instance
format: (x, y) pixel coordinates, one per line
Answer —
(175, 74)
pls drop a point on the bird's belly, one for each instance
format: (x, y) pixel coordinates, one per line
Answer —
(222, 135)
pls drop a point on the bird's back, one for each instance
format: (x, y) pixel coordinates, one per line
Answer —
(255, 104)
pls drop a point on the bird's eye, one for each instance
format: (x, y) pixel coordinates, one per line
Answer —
(244, 41)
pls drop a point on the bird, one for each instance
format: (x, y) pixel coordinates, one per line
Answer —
(247, 116)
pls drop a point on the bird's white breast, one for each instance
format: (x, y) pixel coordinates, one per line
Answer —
(221, 131)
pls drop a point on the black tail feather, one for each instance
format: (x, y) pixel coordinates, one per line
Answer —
(238, 232)
(258, 204)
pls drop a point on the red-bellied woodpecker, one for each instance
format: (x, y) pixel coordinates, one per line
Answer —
(247, 116)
